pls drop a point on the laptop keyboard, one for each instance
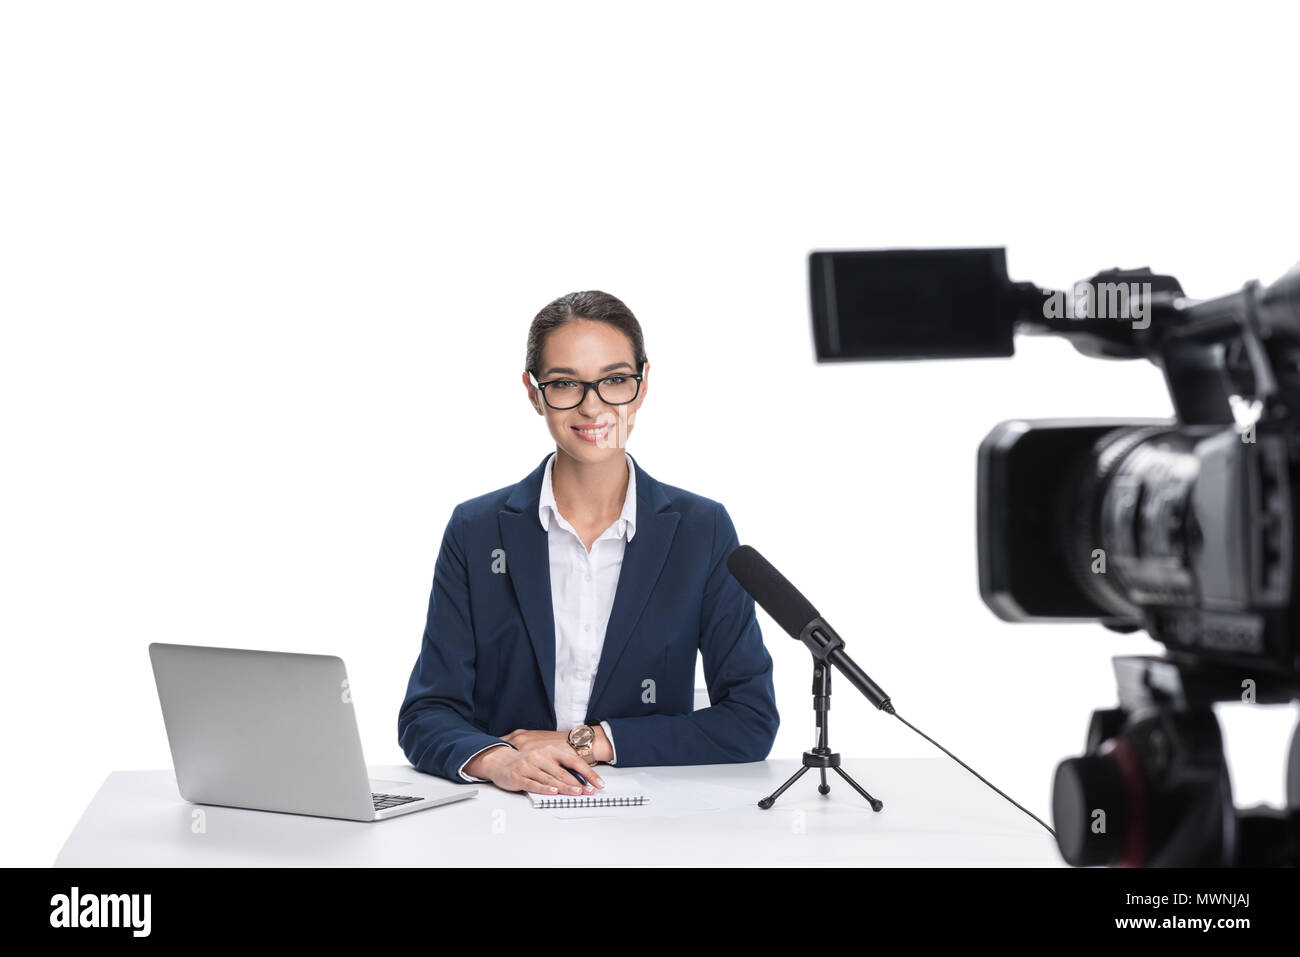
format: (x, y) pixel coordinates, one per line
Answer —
(385, 801)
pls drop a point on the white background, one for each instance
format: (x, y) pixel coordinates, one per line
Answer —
(266, 272)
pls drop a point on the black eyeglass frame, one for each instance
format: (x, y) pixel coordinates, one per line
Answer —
(587, 387)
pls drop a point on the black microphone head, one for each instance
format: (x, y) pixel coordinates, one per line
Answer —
(771, 590)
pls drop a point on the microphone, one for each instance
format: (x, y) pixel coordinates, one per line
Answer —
(797, 616)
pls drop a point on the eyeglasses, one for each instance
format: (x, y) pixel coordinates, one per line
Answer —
(617, 389)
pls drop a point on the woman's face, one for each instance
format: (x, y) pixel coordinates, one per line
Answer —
(586, 350)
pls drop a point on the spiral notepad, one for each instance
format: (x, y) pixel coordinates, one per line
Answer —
(615, 793)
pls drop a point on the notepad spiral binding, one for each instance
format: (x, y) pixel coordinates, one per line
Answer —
(590, 801)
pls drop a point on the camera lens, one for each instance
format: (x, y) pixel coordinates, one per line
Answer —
(1125, 520)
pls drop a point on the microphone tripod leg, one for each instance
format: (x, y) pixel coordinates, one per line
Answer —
(768, 801)
(876, 803)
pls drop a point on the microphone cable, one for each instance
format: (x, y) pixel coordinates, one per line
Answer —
(890, 708)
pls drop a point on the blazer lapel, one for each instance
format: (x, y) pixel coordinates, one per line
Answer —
(529, 567)
(643, 560)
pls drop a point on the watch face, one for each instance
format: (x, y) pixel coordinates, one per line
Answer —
(581, 736)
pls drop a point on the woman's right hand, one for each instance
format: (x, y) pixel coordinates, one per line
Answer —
(542, 770)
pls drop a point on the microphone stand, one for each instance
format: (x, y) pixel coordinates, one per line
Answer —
(821, 756)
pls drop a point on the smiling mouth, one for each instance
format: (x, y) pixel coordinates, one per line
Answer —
(593, 432)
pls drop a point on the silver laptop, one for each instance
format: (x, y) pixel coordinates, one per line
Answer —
(275, 731)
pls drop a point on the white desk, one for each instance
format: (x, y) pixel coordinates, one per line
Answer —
(935, 814)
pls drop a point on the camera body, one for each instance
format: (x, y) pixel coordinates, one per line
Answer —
(1186, 532)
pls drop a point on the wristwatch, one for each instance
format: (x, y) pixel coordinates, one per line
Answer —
(581, 739)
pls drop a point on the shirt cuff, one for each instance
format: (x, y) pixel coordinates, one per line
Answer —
(473, 780)
(610, 734)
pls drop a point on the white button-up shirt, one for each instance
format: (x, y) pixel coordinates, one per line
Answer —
(582, 596)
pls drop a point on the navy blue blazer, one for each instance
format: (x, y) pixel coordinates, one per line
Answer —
(487, 661)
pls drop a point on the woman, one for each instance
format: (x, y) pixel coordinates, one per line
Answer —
(567, 610)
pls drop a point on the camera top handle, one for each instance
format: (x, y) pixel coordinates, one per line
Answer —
(1245, 344)
(959, 303)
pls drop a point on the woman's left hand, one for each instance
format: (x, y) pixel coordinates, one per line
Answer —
(526, 740)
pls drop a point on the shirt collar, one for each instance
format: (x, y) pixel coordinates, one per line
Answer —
(626, 519)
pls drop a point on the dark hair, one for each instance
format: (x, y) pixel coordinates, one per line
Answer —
(592, 304)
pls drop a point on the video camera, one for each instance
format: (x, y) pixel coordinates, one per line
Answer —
(1186, 528)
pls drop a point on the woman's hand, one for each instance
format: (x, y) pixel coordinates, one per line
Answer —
(537, 763)
(601, 749)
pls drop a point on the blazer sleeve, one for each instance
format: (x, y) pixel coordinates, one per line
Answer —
(435, 726)
(742, 720)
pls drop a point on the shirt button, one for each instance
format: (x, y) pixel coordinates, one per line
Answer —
(588, 578)
(586, 627)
